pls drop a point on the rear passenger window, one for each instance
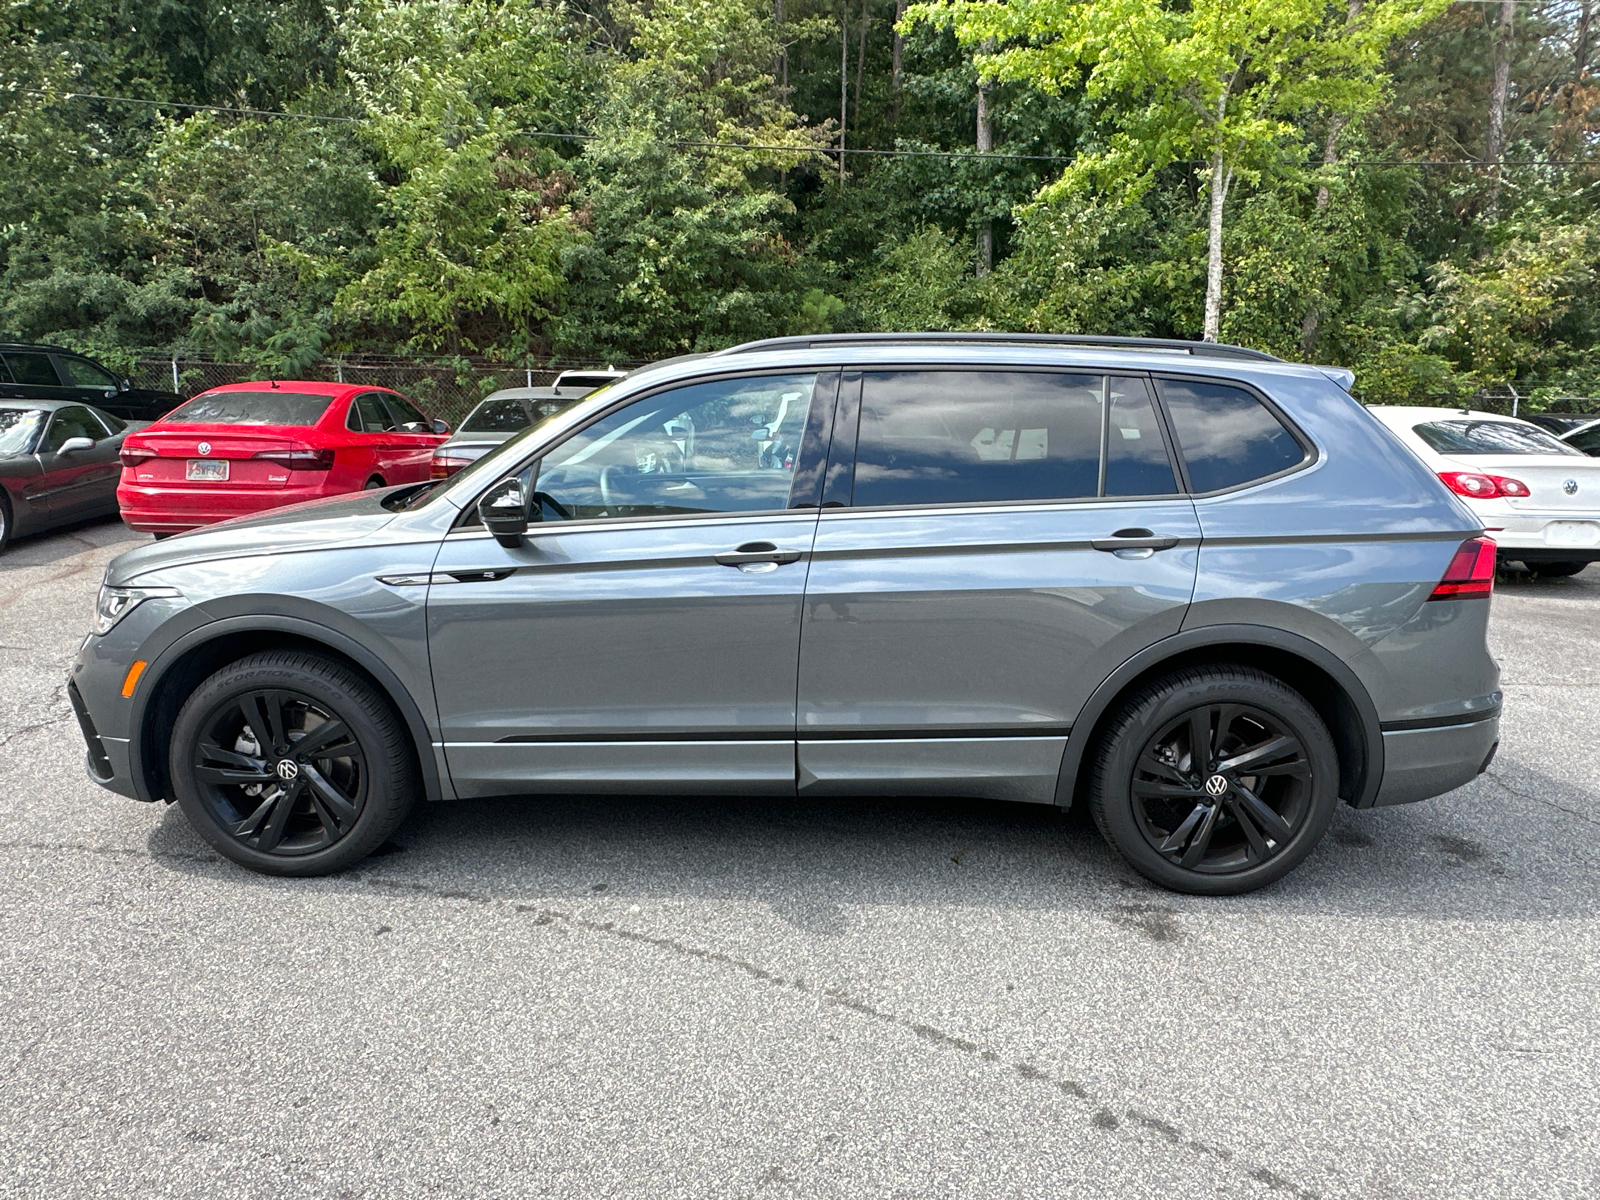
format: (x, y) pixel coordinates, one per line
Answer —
(1226, 435)
(967, 437)
(1136, 453)
(369, 414)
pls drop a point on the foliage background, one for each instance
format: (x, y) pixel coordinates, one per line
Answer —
(536, 180)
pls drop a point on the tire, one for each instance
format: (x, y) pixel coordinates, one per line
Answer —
(1556, 570)
(340, 806)
(1164, 817)
(5, 522)
(373, 484)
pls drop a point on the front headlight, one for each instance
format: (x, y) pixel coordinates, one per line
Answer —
(114, 603)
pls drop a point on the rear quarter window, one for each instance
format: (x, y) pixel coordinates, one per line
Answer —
(251, 408)
(1226, 435)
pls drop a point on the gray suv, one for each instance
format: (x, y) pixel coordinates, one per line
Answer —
(1195, 588)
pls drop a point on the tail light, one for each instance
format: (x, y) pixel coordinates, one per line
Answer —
(446, 465)
(298, 460)
(1482, 487)
(1470, 573)
(132, 456)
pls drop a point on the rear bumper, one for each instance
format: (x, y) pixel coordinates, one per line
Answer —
(1420, 763)
(173, 510)
(1546, 536)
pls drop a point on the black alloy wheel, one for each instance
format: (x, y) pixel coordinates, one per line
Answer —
(281, 774)
(291, 763)
(1221, 788)
(1215, 780)
(5, 521)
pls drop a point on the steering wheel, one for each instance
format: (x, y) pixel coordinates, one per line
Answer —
(554, 505)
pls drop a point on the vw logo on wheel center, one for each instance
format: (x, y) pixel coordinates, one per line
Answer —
(1216, 787)
(288, 770)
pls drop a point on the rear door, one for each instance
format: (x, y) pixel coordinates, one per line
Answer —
(378, 428)
(997, 542)
(32, 376)
(413, 438)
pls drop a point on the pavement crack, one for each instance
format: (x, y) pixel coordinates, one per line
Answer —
(1499, 782)
(1100, 1114)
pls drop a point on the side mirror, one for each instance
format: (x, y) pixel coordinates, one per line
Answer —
(504, 512)
(438, 426)
(125, 385)
(73, 445)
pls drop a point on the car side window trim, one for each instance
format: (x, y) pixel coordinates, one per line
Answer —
(1312, 455)
(810, 468)
(847, 432)
(468, 517)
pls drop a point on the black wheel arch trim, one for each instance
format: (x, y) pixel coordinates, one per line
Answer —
(421, 737)
(1086, 725)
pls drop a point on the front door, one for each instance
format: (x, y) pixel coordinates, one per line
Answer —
(645, 634)
(1001, 541)
(79, 483)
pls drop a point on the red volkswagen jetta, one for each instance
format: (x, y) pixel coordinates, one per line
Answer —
(244, 447)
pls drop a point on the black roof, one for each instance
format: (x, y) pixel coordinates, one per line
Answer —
(44, 346)
(1087, 341)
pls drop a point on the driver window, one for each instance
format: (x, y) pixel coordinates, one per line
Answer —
(71, 423)
(720, 447)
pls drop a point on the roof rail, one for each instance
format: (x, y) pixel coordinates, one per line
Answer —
(1088, 341)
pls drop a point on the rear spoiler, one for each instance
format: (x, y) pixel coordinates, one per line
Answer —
(1343, 376)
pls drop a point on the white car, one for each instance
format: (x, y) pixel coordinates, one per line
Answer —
(1538, 497)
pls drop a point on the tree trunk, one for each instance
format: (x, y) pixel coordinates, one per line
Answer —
(861, 57)
(1495, 144)
(844, 79)
(1221, 177)
(1330, 155)
(897, 70)
(1580, 47)
(985, 144)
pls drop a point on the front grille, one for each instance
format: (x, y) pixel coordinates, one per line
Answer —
(99, 764)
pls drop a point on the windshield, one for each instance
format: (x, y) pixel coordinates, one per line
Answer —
(17, 429)
(250, 408)
(1490, 437)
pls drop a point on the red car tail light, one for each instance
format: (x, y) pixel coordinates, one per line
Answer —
(1483, 487)
(1510, 487)
(132, 456)
(1470, 573)
(446, 465)
(1470, 483)
(298, 460)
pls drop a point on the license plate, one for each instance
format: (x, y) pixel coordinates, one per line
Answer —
(1572, 533)
(207, 469)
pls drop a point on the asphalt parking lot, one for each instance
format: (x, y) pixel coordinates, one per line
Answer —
(718, 998)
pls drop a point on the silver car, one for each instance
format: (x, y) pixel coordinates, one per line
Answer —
(1197, 589)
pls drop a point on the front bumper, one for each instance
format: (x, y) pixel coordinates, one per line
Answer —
(106, 759)
(1420, 763)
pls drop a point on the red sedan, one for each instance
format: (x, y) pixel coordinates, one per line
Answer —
(244, 447)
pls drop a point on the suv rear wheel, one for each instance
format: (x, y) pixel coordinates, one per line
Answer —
(1215, 781)
(290, 763)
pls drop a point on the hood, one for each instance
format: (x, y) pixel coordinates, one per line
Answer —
(316, 524)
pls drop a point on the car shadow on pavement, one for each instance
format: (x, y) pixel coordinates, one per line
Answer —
(1481, 853)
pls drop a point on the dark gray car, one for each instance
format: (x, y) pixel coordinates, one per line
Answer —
(58, 464)
(1198, 590)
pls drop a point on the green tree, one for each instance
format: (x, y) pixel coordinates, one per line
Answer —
(1215, 81)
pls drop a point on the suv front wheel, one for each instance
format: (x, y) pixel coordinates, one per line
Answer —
(1215, 780)
(291, 763)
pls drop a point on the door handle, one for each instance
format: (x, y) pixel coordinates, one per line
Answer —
(756, 552)
(1134, 539)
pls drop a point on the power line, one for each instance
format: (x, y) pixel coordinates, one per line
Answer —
(825, 151)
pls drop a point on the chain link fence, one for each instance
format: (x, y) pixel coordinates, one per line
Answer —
(441, 388)
(1512, 404)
